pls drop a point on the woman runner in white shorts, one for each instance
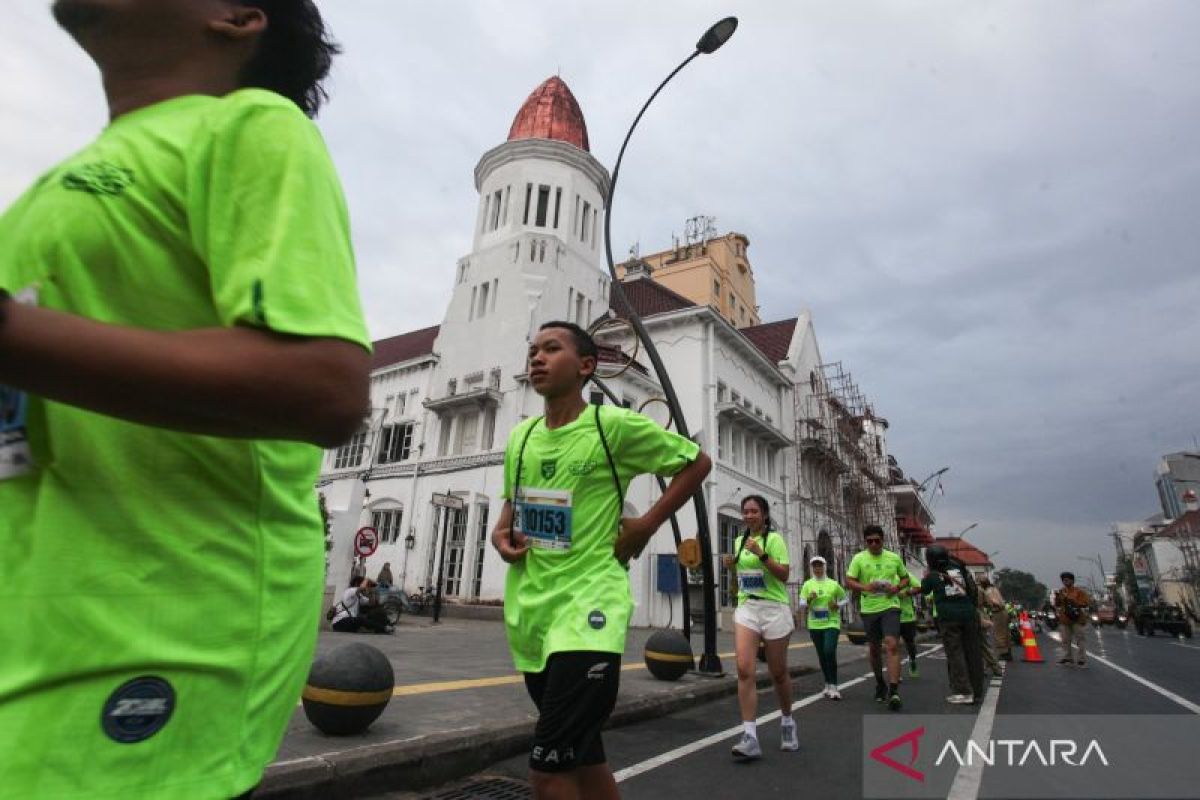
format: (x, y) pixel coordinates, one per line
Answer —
(764, 614)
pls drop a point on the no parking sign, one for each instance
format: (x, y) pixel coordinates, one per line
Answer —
(365, 541)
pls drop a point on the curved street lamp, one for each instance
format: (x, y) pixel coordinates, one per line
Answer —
(961, 533)
(939, 473)
(710, 662)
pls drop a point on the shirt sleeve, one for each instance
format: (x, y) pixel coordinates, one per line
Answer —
(804, 590)
(268, 217)
(855, 568)
(641, 445)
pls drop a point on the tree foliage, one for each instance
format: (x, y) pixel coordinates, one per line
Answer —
(1021, 587)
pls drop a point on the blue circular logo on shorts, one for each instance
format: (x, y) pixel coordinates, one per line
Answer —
(138, 709)
(597, 619)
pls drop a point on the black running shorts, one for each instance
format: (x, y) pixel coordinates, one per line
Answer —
(885, 623)
(574, 695)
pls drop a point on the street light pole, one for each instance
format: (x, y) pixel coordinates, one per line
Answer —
(960, 534)
(710, 662)
(940, 472)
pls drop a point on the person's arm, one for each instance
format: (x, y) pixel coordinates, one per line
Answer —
(635, 532)
(780, 571)
(235, 382)
(510, 544)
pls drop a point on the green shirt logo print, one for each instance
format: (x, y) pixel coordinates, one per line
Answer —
(549, 468)
(99, 177)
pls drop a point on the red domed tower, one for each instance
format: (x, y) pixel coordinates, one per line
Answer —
(551, 112)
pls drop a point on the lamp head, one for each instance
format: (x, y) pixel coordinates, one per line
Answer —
(717, 35)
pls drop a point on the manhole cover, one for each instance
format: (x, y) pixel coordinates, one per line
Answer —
(486, 789)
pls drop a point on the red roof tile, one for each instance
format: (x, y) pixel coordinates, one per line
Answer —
(403, 347)
(551, 112)
(649, 297)
(964, 551)
(772, 338)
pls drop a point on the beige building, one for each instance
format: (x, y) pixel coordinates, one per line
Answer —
(708, 271)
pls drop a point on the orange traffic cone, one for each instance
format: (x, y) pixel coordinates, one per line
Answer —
(1028, 641)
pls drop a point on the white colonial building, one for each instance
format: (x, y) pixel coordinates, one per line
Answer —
(444, 398)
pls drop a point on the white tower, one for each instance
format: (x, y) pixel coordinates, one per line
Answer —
(536, 258)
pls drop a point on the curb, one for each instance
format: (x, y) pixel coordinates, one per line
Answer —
(427, 761)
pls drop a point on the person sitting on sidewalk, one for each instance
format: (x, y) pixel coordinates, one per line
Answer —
(1072, 604)
(824, 598)
(567, 600)
(356, 612)
(954, 594)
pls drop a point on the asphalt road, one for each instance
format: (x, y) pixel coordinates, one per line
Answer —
(687, 754)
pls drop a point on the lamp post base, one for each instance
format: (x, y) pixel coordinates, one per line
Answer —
(710, 666)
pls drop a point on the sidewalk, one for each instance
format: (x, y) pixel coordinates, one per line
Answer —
(459, 706)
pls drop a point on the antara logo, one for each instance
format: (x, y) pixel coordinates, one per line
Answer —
(913, 740)
(1019, 752)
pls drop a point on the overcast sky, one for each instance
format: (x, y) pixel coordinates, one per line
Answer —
(990, 208)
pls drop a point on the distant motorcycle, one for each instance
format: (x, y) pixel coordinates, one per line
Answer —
(1051, 622)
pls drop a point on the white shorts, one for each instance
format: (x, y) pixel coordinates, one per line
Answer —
(767, 618)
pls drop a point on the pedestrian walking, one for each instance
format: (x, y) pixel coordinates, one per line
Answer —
(763, 616)
(1072, 603)
(183, 327)
(567, 601)
(880, 575)
(823, 598)
(954, 594)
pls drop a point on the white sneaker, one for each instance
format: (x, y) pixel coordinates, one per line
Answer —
(961, 699)
(788, 740)
(834, 694)
(827, 692)
(747, 749)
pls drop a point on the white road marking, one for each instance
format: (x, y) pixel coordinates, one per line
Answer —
(969, 776)
(1167, 693)
(708, 741)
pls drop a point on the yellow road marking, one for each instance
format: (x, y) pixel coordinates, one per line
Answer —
(504, 680)
(335, 697)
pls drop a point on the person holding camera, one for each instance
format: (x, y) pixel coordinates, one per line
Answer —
(1072, 605)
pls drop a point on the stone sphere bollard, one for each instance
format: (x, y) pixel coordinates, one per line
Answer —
(668, 655)
(348, 688)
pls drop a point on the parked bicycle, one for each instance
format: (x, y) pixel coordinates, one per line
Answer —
(421, 599)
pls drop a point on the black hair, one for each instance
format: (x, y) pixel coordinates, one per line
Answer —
(763, 506)
(1070, 575)
(872, 530)
(355, 583)
(585, 345)
(294, 53)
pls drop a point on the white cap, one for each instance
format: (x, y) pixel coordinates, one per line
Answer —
(815, 559)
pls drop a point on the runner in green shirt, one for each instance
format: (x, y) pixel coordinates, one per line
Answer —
(824, 598)
(764, 615)
(188, 335)
(908, 622)
(567, 601)
(880, 576)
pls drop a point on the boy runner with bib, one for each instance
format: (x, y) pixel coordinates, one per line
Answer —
(567, 601)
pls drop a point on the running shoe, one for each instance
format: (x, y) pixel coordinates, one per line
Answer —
(1081, 664)
(913, 672)
(880, 693)
(834, 694)
(788, 740)
(747, 749)
(894, 701)
(961, 699)
(1066, 662)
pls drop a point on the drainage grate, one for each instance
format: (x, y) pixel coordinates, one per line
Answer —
(489, 788)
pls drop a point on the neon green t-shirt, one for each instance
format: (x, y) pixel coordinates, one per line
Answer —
(907, 611)
(569, 592)
(753, 576)
(194, 563)
(828, 592)
(886, 568)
